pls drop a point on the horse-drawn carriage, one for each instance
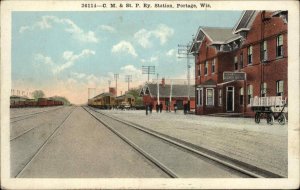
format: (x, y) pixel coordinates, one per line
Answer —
(272, 108)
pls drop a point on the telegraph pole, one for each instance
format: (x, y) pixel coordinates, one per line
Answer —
(128, 79)
(157, 90)
(183, 52)
(116, 76)
(148, 70)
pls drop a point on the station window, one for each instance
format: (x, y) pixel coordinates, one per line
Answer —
(279, 46)
(209, 96)
(250, 93)
(250, 55)
(241, 96)
(235, 63)
(241, 60)
(263, 51)
(263, 89)
(213, 65)
(279, 88)
(199, 70)
(199, 97)
(220, 97)
(205, 68)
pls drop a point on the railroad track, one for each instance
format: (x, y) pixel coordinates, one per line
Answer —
(26, 116)
(236, 167)
(43, 144)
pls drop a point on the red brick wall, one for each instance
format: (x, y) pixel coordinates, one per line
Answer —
(270, 72)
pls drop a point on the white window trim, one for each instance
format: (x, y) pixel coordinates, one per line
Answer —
(213, 96)
(200, 92)
(250, 47)
(213, 63)
(206, 68)
(248, 93)
(220, 96)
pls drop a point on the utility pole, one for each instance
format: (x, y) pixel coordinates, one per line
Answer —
(183, 52)
(148, 70)
(116, 76)
(170, 100)
(128, 79)
(157, 90)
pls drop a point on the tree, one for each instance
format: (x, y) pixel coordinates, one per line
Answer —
(38, 94)
(136, 93)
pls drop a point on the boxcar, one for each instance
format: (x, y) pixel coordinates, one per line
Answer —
(42, 102)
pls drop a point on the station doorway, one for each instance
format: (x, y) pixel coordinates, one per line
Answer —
(230, 99)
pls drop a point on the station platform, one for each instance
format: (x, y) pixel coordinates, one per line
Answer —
(259, 145)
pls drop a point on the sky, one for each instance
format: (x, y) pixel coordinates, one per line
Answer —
(65, 53)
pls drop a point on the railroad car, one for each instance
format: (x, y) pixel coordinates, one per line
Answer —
(102, 101)
(125, 101)
(42, 102)
(31, 103)
(50, 102)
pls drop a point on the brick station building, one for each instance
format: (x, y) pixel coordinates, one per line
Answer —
(233, 65)
(179, 95)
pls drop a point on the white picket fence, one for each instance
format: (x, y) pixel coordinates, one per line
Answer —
(275, 102)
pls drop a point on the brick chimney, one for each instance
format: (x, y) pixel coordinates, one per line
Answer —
(163, 82)
(113, 91)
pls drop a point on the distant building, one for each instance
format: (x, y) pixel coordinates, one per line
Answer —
(178, 93)
(234, 65)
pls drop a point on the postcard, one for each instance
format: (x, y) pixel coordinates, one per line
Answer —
(149, 94)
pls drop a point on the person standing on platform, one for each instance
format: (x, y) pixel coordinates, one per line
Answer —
(160, 107)
(184, 108)
(151, 107)
(175, 107)
(147, 107)
(157, 107)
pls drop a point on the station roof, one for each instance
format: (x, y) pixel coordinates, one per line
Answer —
(125, 96)
(245, 21)
(164, 90)
(103, 94)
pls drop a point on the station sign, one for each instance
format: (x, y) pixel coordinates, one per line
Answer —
(230, 76)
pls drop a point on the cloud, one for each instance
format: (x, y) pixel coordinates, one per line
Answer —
(162, 32)
(47, 22)
(171, 53)
(124, 46)
(69, 59)
(143, 38)
(107, 28)
(150, 60)
(43, 59)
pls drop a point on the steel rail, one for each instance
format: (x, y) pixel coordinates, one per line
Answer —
(164, 168)
(24, 133)
(44, 144)
(26, 116)
(195, 151)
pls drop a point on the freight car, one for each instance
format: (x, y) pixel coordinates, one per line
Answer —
(20, 102)
(103, 101)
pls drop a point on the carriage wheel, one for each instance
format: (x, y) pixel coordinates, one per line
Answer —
(257, 117)
(282, 119)
(270, 118)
